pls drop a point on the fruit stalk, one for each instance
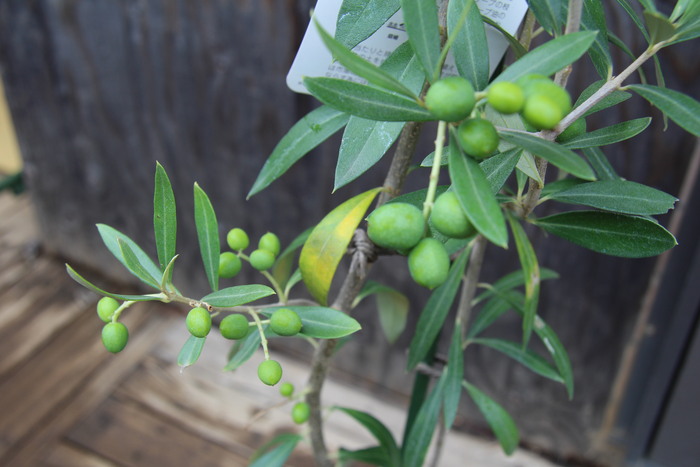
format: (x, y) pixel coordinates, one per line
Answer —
(435, 170)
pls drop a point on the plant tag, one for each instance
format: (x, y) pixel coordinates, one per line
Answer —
(313, 59)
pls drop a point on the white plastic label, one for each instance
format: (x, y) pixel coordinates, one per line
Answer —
(313, 59)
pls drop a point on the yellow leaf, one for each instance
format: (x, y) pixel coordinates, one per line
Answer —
(328, 242)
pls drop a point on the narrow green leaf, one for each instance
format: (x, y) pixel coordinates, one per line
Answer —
(475, 196)
(660, 27)
(381, 433)
(135, 267)
(559, 185)
(244, 350)
(527, 358)
(321, 322)
(551, 14)
(166, 282)
(366, 101)
(528, 166)
(470, 49)
(499, 167)
(558, 353)
(363, 145)
(453, 381)
(328, 242)
(111, 238)
(164, 218)
(359, 19)
(277, 457)
(393, 312)
(507, 299)
(610, 134)
(374, 455)
(435, 311)
(498, 419)
(88, 285)
(237, 295)
(190, 351)
(610, 234)
(632, 13)
(593, 19)
(515, 45)
(531, 276)
(364, 141)
(208, 235)
(418, 441)
(490, 312)
(682, 109)
(551, 56)
(421, 22)
(618, 196)
(510, 281)
(362, 67)
(601, 166)
(612, 99)
(284, 265)
(305, 135)
(558, 155)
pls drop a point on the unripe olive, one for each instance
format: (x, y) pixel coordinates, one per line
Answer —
(429, 263)
(270, 372)
(450, 99)
(270, 242)
(114, 337)
(574, 130)
(300, 412)
(449, 218)
(285, 322)
(506, 97)
(237, 239)
(106, 308)
(262, 260)
(478, 137)
(398, 226)
(234, 327)
(286, 389)
(229, 265)
(198, 322)
(550, 89)
(542, 112)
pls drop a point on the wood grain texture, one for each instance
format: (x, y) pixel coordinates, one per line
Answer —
(100, 90)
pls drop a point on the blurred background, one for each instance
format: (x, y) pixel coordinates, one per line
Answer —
(98, 91)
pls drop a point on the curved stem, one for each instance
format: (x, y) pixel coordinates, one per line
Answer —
(435, 170)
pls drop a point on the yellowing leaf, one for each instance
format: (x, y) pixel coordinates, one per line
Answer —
(328, 242)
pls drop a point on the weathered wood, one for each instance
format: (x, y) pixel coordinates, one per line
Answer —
(201, 89)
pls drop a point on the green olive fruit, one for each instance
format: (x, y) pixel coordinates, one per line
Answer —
(234, 327)
(115, 336)
(574, 130)
(286, 389)
(270, 372)
(106, 308)
(397, 226)
(448, 217)
(270, 242)
(300, 412)
(478, 137)
(237, 239)
(198, 322)
(450, 99)
(506, 97)
(285, 322)
(229, 265)
(542, 112)
(429, 263)
(553, 91)
(262, 260)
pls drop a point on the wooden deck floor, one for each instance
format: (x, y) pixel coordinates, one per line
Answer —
(65, 401)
